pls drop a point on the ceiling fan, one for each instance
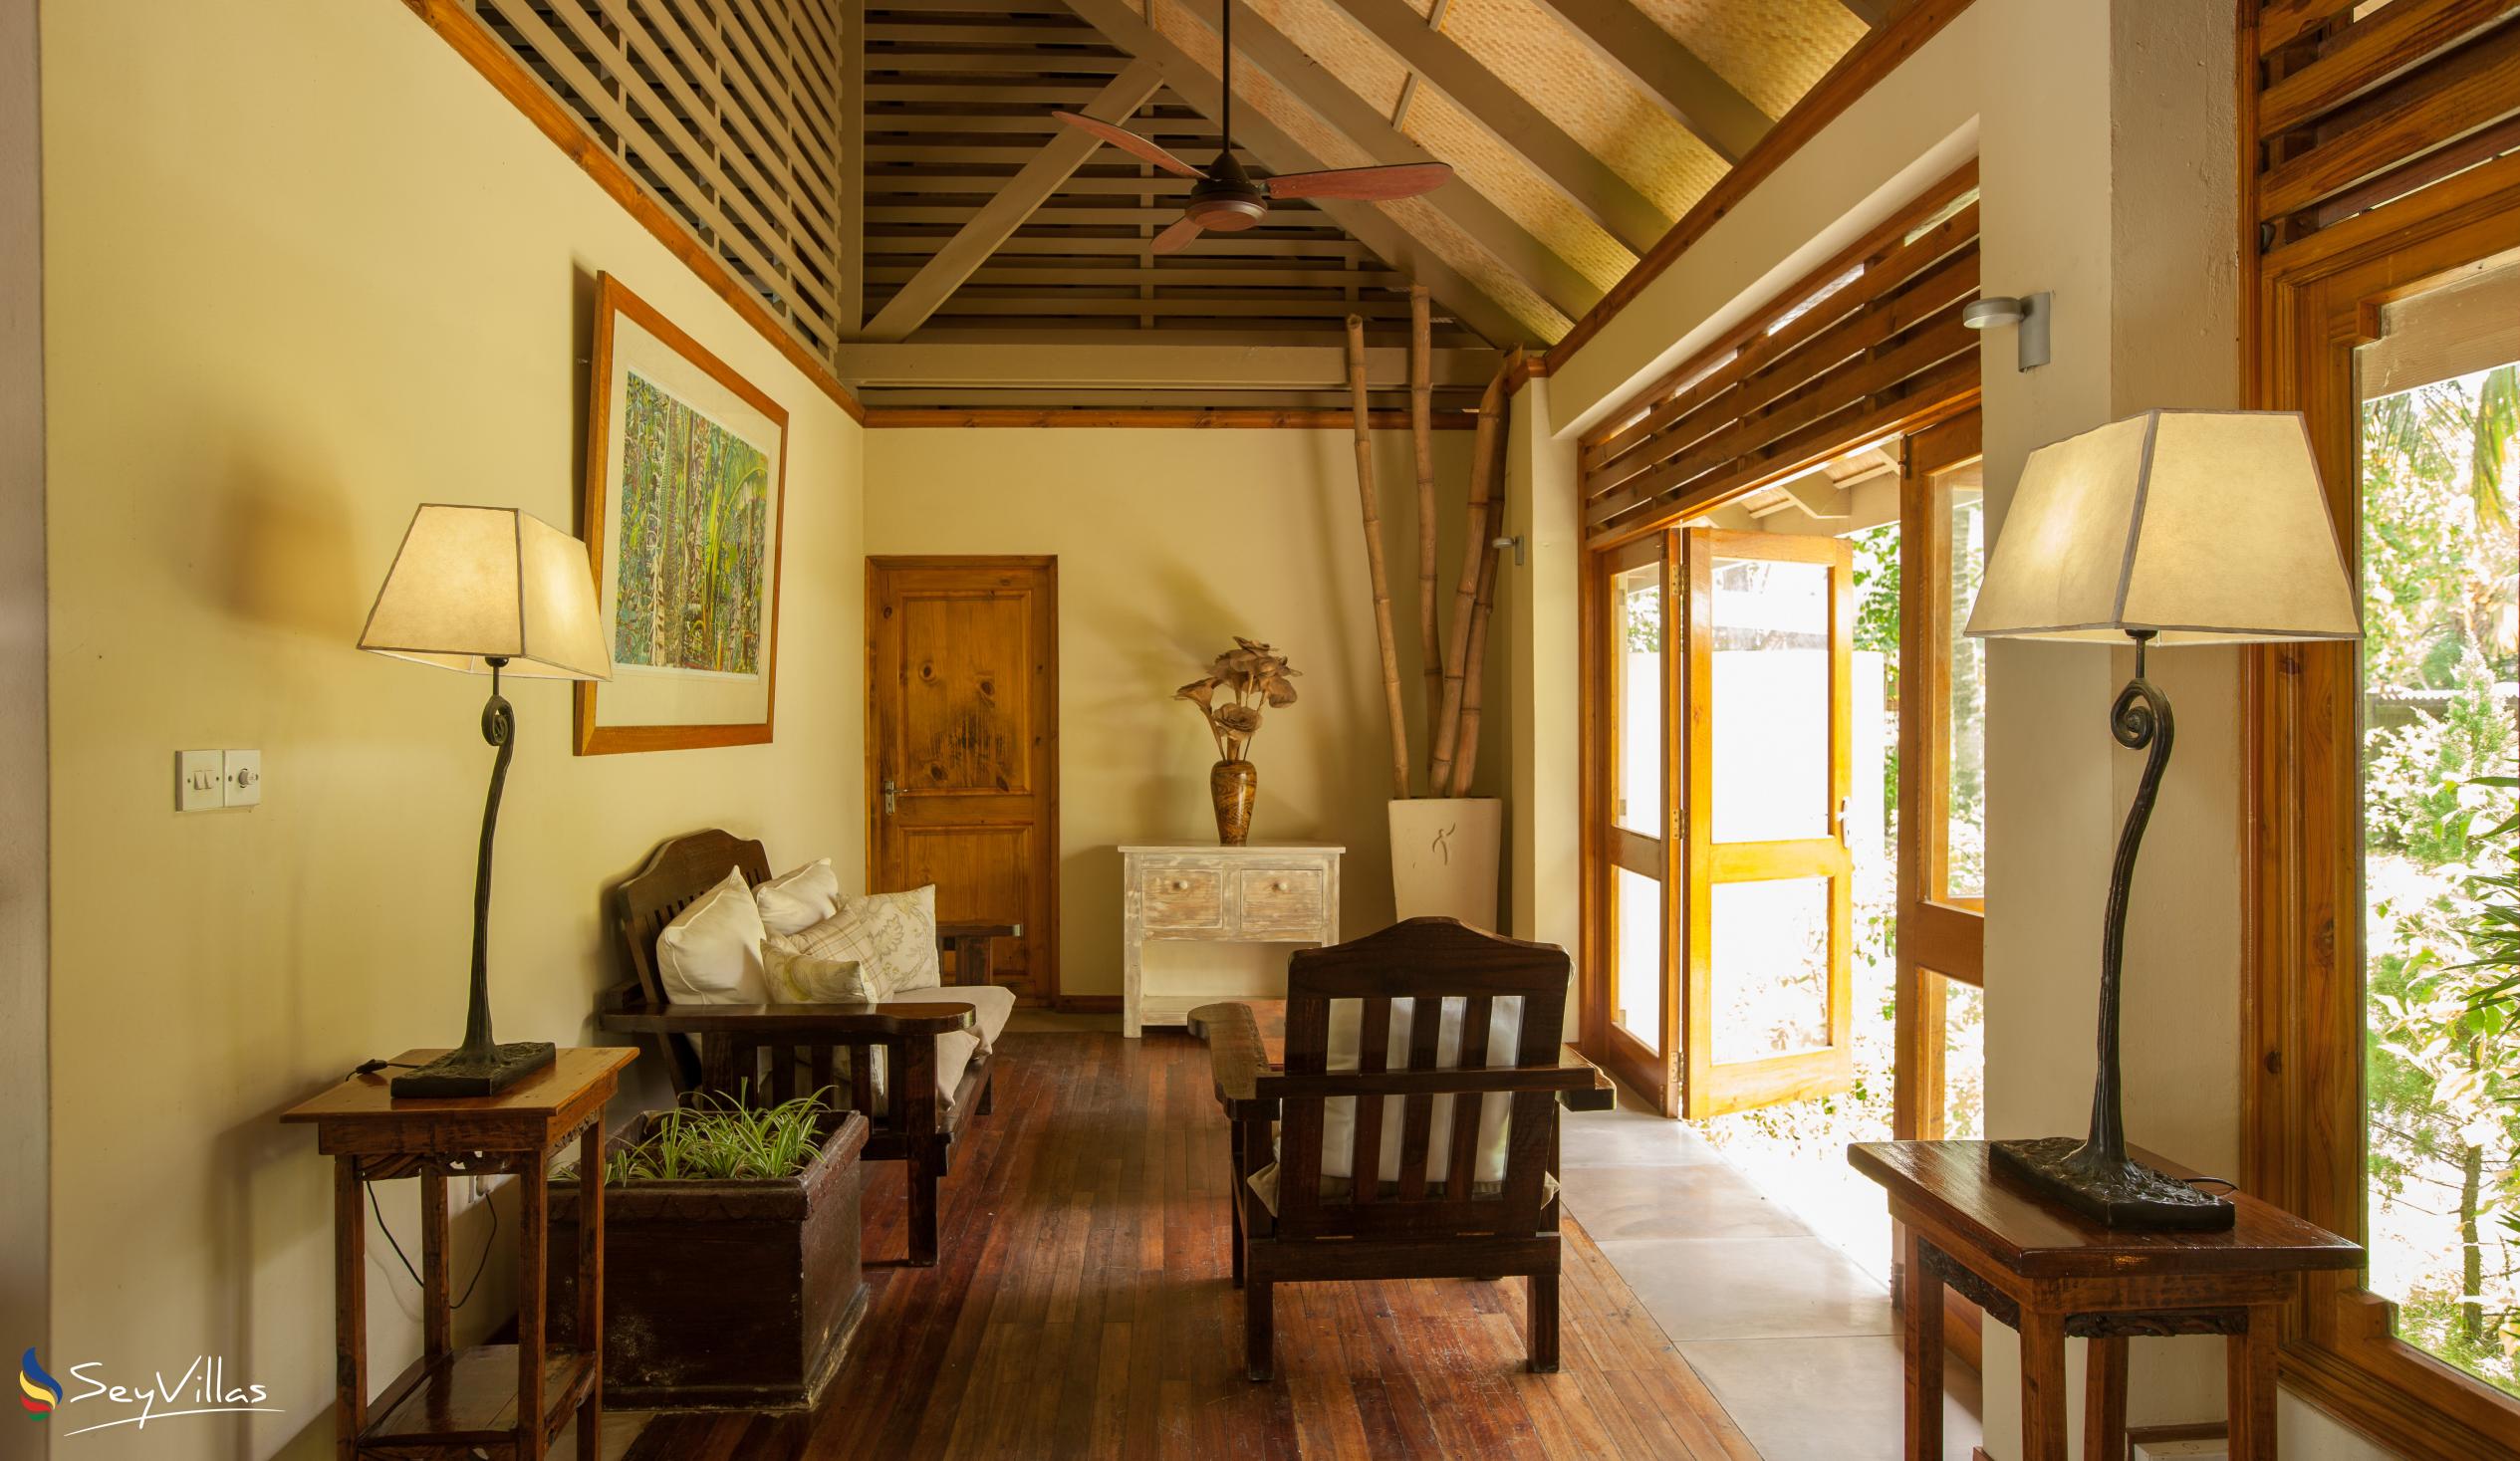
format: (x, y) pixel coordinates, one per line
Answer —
(1228, 199)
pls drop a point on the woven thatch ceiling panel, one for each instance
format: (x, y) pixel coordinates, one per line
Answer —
(1533, 52)
(1340, 45)
(1772, 51)
(1497, 170)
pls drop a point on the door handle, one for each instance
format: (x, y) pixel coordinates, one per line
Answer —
(890, 791)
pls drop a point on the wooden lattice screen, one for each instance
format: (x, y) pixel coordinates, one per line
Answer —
(727, 112)
(1868, 343)
(2360, 102)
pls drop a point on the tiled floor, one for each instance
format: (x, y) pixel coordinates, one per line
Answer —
(1796, 1340)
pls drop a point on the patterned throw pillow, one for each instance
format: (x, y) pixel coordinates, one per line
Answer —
(891, 936)
(802, 979)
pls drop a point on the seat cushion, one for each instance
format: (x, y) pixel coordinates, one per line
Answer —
(991, 1005)
(1264, 1185)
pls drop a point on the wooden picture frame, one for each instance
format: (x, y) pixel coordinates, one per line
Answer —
(700, 667)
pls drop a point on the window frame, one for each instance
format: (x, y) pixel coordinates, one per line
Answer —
(2303, 1118)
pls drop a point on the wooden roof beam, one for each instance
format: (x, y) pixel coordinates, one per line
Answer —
(1122, 25)
(1021, 197)
(1669, 73)
(1152, 365)
(1360, 122)
(1439, 61)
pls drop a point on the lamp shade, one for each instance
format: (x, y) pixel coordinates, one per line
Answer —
(476, 584)
(2197, 527)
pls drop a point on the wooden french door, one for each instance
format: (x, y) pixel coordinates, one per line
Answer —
(963, 747)
(1630, 629)
(1941, 768)
(1719, 881)
(1767, 988)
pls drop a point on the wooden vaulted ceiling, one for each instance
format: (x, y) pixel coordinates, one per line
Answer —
(887, 177)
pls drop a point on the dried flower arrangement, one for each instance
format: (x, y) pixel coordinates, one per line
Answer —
(1251, 675)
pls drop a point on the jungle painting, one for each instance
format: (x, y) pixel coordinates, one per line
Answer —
(685, 500)
(694, 530)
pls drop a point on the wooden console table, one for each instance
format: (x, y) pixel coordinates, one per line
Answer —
(2049, 1274)
(1284, 892)
(509, 1399)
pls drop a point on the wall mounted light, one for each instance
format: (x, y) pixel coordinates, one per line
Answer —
(2029, 312)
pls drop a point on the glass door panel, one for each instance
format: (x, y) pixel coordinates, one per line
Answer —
(1768, 993)
(1631, 1017)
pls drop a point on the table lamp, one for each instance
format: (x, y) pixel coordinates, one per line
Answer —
(2168, 528)
(497, 591)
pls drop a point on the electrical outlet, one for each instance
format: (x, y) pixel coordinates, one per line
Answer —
(244, 778)
(200, 781)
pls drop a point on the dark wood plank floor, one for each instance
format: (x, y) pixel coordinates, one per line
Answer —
(1082, 1308)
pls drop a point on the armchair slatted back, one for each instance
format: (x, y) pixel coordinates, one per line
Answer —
(1435, 985)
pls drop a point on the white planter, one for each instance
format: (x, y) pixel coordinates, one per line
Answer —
(1444, 854)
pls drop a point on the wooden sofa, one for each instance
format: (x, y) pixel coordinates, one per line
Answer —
(768, 1053)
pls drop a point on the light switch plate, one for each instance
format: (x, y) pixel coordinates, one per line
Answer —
(244, 778)
(200, 781)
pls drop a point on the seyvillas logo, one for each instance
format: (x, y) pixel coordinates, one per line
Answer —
(42, 1392)
(201, 1388)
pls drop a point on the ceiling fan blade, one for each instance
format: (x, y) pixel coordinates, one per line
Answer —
(1370, 184)
(1178, 237)
(1131, 142)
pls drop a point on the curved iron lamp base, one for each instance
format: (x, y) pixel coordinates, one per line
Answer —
(482, 1065)
(2095, 1177)
(2119, 1192)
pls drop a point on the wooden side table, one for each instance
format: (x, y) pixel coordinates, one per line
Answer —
(1266, 892)
(2049, 1274)
(512, 1398)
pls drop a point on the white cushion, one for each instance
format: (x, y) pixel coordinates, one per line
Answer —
(991, 1005)
(893, 935)
(710, 954)
(795, 901)
(803, 979)
(1339, 1115)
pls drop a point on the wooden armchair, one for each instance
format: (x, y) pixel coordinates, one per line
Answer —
(1409, 1203)
(769, 1053)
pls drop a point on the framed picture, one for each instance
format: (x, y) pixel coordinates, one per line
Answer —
(687, 490)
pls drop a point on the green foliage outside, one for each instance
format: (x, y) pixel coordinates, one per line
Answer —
(2442, 1073)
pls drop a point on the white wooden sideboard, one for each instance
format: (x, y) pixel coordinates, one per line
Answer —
(1283, 892)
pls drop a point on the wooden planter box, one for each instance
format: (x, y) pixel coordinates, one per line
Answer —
(732, 1296)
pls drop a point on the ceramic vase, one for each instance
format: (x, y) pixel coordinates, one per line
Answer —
(1234, 786)
(1444, 853)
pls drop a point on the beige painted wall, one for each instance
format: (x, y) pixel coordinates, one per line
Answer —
(1169, 542)
(24, 1081)
(307, 271)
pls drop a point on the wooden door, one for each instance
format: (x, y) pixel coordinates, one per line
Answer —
(1767, 993)
(1631, 1014)
(963, 747)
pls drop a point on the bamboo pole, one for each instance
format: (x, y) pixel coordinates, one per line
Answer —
(1374, 559)
(1475, 674)
(1421, 409)
(1466, 591)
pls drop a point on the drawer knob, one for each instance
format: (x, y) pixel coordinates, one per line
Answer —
(1277, 887)
(1181, 884)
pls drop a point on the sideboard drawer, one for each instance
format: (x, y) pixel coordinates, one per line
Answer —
(1181, 897)
(1281, 899)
